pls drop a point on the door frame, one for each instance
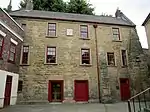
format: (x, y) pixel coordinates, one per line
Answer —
(50, 89)
(8, 83)
(127, 79)
(87, 82)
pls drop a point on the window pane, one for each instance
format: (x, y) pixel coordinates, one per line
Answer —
(11, 56)
(124, 58)
(51, 55)
(25, 58)
(84, 31)
(115, 31)
(52, 33)
(84, 28)
(115, 37)
(12, 48)
(51, 59)
(51, 26)
(85, 56)
(84, 35)
(20, 84)
(111, 59)
(25, 49)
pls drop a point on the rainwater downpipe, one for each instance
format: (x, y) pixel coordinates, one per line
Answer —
(97, 60)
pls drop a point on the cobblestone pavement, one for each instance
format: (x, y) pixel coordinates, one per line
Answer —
(90, 107)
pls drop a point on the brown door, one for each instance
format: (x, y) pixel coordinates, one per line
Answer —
(124, 89)
(55, 92)
(7, 91)
(81, 90)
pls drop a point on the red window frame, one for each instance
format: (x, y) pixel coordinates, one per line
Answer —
(25, 53)
(1, 46)
(83, 31)
(12, 52)
(116, 34)
(51, 55)
(111, 58)
(50, 30)
(124, 57)
(85, 58)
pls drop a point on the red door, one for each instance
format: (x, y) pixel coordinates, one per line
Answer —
(8, 91)
(81, 90)
(124, 89)
(55, 91)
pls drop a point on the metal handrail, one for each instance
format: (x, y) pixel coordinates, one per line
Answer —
(139, 94)
(139, 100)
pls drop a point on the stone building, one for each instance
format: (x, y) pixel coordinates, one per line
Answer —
(11, 37)
(146, 24)
(72, 57)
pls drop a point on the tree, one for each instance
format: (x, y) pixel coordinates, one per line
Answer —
(80, 7)
(74, 6)
(47, 5)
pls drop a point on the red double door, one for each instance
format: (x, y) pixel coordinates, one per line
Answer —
(81, 90)
(7, 91)
(124, 88)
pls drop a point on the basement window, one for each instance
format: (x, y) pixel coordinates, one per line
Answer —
(85, 56)
(111, 59)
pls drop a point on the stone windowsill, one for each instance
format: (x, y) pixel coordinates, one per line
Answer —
(111, 66)
(24, 65)
(84, 38)
(50, 63)
(116, 40)
(87, 65)
(13, 62)
(125, 66)
(48, 36)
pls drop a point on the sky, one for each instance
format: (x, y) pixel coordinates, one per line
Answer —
(135, 10)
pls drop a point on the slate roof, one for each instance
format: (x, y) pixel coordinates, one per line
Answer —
(146, 20)
(70, 17)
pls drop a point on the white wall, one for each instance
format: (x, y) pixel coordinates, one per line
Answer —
(3, 75)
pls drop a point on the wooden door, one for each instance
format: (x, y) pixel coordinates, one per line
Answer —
(7, 91)
(124, 89)
(55, 91)
(81, 90)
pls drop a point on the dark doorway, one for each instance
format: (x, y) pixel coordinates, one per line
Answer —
(55, 93)
(7, 91)
(124, 89)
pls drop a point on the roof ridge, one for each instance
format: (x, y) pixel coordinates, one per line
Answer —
(70, 16)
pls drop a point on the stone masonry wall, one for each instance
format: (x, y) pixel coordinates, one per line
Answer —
(36, 75)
